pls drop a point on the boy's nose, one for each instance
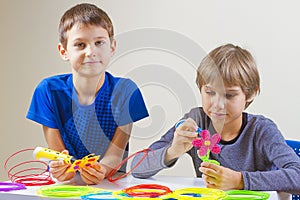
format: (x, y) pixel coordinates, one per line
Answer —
(90, 51)
(219, 102)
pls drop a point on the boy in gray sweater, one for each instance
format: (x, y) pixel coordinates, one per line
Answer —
(254, 154)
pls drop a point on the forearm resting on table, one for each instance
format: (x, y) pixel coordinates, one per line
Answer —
(114, 154)
(145, 167)
(110, 162)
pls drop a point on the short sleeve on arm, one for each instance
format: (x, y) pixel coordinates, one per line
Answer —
(137, 106)
(41, 109)
(130, 102)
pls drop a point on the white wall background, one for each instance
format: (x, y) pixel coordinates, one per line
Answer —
(269, 29)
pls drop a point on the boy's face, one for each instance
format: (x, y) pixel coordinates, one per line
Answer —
(88, 49)
(224, 105)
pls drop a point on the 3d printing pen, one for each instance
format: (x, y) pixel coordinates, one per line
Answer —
(181, 122)
(45, 154)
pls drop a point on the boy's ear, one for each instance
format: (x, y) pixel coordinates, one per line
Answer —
(113, 47)
(251, 98)
(62, 52)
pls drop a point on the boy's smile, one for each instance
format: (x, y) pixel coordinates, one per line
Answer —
(218, 115)
(91, 62)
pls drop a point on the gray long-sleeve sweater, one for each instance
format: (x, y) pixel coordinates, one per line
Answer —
(259, 152)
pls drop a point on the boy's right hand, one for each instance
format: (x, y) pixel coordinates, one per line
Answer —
(58, 169)
(182, 141)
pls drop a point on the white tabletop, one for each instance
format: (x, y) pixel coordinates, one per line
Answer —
(173, 182)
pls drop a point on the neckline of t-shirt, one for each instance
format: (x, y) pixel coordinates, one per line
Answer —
(244, 122)
(75, 96)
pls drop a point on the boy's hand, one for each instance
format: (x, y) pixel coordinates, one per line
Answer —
(221, 177)
(94, 174)
(58, 169)
(182, 141)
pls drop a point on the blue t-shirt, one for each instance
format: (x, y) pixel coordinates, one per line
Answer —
(86, 129)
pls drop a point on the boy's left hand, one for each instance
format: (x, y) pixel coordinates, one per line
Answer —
(221, 177)
(94, 174)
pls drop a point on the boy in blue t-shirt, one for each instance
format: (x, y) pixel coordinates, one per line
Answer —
(88, 111)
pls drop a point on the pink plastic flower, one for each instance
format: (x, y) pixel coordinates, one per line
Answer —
(206, 143)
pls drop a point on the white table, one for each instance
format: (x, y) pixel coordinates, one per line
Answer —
(173, 182)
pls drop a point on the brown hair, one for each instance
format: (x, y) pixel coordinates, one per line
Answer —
(233, 66)
(84, 14)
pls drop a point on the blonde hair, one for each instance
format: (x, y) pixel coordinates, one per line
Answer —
(84, 14)
(231, 65)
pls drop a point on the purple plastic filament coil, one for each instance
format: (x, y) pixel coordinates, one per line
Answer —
(6, 186)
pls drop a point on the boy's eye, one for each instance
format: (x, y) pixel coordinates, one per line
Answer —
(100, 43)
(210, 93)
(80, 45)
(229, 96)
